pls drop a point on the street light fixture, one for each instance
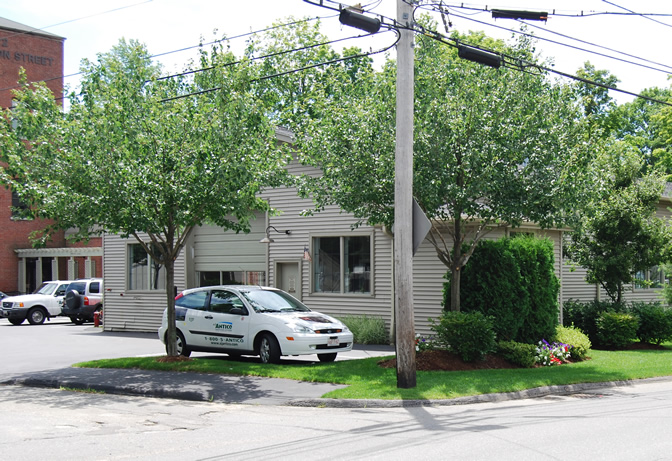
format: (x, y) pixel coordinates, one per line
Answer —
(268, 238)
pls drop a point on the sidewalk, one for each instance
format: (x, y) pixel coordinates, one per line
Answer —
(193, 386)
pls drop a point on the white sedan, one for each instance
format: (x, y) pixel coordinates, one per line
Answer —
(253, 320)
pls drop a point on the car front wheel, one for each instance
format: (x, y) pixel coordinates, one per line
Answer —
(269, 349)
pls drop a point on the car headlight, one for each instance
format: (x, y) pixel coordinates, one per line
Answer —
(300, 329)
(345, 328)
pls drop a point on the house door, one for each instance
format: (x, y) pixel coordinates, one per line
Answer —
(287, 278)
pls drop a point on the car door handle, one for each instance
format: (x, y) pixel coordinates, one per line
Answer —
(208, 317)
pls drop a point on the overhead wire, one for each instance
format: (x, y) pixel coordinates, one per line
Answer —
(645, 16)
(246, 34)
(291, 71)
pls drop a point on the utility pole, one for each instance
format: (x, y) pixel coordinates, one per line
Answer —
(403, 202)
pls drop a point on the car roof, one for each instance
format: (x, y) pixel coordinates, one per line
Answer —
(230, 287)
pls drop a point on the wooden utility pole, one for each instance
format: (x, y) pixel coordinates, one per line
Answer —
(403, 202)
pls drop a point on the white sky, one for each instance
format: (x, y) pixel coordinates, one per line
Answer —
(91, 27)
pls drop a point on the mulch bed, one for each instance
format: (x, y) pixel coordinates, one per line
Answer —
(439, 360)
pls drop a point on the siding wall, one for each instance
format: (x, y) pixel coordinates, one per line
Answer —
(131, 310)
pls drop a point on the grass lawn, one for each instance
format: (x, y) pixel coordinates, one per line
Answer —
(367, 380)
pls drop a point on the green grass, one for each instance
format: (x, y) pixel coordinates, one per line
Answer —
(367, 380)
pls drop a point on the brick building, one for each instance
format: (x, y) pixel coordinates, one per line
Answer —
(23, 268)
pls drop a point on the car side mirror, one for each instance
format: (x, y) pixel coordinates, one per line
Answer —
(238, 311)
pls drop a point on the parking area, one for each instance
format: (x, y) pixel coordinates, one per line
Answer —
(59, 343)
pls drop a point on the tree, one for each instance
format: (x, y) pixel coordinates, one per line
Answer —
(143, 156)
(493, 147)
(619, 233)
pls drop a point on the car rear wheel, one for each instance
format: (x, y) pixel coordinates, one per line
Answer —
(36, 316)
(16, 321)
(269, 349)
(327, 357)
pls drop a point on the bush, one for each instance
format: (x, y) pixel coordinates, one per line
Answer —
(471, 335)
(575, 338)
(517, 353)
(513, 280)
(367, 329)
(655, 322)
(584, 315)
(616, 330)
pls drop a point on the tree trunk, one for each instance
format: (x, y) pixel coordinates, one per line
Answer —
(455, 274)
(171, 348)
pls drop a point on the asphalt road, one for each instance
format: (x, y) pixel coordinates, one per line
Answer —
(627, 423)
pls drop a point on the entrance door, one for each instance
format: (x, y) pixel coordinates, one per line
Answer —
(287, 278)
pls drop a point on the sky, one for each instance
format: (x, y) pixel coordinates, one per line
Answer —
(637, 47)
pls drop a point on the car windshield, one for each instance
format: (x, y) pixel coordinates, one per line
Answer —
(273, 301)
(46, 289)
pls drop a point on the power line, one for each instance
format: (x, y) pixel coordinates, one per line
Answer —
(563, 44)
(645, 16)
(259, 31)
(520, 64)
(291, 71)
(580, 14)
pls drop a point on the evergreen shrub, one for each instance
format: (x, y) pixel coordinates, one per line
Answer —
(470, 335)
(655, 322)
(514, 281)
(517, 353)
(366, 329)
(616, 330)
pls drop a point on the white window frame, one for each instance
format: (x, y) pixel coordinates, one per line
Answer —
(342, 237)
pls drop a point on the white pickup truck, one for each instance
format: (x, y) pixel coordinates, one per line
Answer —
(46, 302)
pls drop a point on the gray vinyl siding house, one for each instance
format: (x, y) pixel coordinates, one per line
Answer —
(297, 263)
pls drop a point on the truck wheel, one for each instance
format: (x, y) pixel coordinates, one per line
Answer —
(16, 321)
(36, 316)
(269, 349)
(77, 319)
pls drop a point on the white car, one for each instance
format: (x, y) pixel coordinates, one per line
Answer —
(253, 320)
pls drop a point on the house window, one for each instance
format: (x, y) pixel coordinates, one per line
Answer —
(650, 278)
(19, 208)
(342, 264)
(144, 273)
(211, 278)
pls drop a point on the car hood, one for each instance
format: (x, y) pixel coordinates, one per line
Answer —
(309, 319)
(24, 298)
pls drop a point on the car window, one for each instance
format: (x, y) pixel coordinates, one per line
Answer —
(61, 290)
(194, 300)
(223, 301)
(273, 301)
(94, 287)
(46, 289)
(79, 286)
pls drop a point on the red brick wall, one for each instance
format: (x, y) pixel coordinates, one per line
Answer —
(42, 58)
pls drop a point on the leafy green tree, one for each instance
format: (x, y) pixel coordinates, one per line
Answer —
(645, 125)
(134, 156)
(619, 233)
(493, 147)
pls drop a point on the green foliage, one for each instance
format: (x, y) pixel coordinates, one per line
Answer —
(514, 281)
(584, 315)
(367, 329)
(616, 330)
(655, 322)
(514, 140)
(575, 338)
(137, 155)
(624, 210)
(518, 353)
(470, 335)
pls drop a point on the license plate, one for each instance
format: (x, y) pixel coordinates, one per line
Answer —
(332, 342)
